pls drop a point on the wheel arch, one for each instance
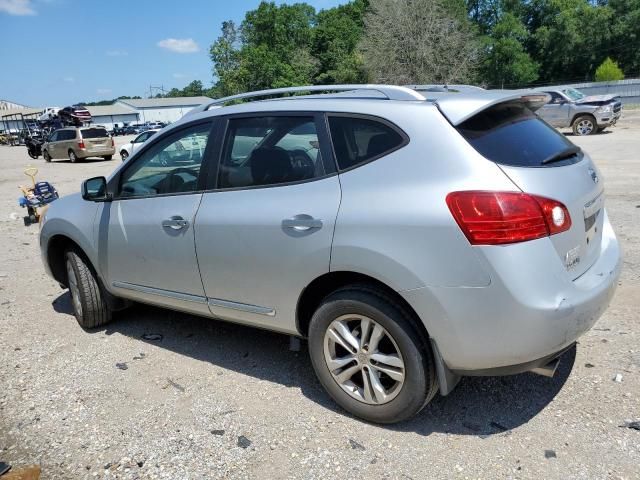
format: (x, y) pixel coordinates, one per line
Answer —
(56, 248)
(319, 288)
(584, 114)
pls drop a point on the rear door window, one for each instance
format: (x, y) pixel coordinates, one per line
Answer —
(359, 140)
(94, 133)
(511, 134)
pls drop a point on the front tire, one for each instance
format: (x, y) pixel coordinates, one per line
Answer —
(585, 125)
(89, 307)
(369, 357)
(124, 155)
(47, 157)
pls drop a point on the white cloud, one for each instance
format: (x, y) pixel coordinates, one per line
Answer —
(179, 75)
(179, 45)
(17, 7)
(69, 79)
(103, 91)
(117, 53)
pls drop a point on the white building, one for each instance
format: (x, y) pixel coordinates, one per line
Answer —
(110, 115)
(165, 110)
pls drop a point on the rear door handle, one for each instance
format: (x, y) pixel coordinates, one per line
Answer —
(302, 223)
(175, 223)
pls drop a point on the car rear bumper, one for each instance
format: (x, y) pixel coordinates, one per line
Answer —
(102, 152)
(530, 311)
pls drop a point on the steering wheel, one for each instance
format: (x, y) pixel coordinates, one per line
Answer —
(302, 163)
(172, 177)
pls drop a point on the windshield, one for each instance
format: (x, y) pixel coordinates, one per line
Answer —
(573, 94)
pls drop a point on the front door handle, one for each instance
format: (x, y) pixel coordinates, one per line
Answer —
(302, 223)
(175, 223)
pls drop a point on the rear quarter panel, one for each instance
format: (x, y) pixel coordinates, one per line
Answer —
(394, 224)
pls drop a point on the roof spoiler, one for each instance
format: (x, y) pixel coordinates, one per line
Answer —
(460, 107)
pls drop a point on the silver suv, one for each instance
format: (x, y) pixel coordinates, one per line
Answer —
(411, 241)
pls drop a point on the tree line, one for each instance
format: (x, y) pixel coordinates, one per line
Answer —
(494, 43)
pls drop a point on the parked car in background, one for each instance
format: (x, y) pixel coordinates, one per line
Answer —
(412, 241)
(128, 149)
(586, 115)
(118, 129)
(156, 125)
(74, 115)
(78, 143)
(132, 130)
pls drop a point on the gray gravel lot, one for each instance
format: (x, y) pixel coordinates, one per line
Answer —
(210, 399)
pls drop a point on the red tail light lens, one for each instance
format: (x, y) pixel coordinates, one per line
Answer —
(112, 142)
(496, 218)
(81, 144)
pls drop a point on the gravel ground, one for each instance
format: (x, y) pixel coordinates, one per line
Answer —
(207, 399)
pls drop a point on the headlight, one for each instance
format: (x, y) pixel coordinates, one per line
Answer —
(604, 109)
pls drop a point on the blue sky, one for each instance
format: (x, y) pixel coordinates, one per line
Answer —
(58, 52)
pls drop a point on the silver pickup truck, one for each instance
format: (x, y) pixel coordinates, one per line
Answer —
(586, 115)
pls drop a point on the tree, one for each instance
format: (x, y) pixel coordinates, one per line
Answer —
(336, 36)
(608, 71)
(506, 62)
(272, 48)
(225, 55)
(417, 41)
(194, 89)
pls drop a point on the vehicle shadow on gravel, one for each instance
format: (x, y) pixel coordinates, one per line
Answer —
(481, 406)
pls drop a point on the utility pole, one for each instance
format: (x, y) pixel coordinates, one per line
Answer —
(160, 89)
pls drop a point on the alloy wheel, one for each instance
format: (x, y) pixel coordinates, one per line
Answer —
(585, 127)
(364, 359)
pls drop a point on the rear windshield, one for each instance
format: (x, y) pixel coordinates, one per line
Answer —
(511, 134)
(94, 133)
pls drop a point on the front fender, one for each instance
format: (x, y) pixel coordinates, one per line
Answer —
(73, 218)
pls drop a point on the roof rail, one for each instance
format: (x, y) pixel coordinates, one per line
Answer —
(443, 87)
(392, 92)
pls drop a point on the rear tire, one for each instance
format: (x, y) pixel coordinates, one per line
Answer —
(47, 157)
(72, 156)
(108, 157)
(89, 306)
(361, 308)
(585, 125)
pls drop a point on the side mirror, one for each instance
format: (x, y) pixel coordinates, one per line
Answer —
(95, 190)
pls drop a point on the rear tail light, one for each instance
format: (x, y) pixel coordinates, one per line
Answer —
(496, 218)
(112, 142)
(81, 144)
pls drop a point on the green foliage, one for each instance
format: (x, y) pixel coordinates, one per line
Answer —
(506, 61)
(337, 33)
(608, 71)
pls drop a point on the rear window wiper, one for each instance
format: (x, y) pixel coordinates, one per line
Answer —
(562, 154)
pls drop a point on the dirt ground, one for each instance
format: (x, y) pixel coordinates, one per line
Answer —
(208, 399)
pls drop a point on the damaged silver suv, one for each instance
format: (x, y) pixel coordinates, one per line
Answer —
(412, 241)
